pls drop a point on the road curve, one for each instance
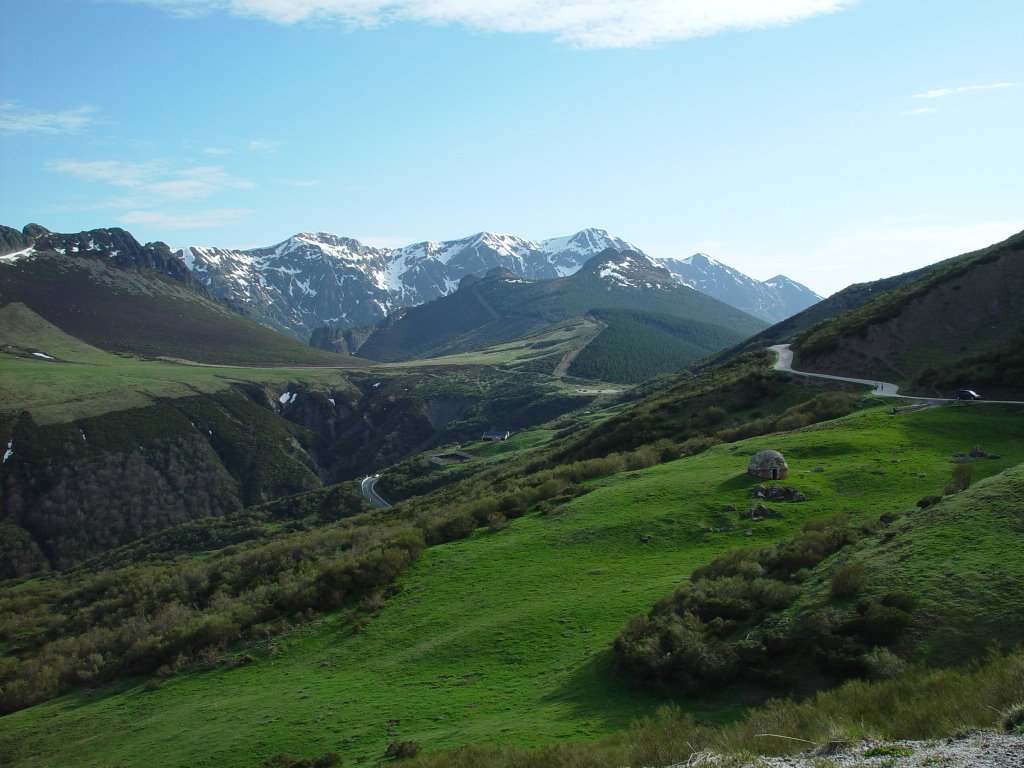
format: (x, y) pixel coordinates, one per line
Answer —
(370, 492)
(784, 363)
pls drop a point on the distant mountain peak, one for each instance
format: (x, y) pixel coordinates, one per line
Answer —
(701, 259)
(772, 300)
(320, 279)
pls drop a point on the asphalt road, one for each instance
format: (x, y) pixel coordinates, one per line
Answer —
(884, 388)
(370, 492)
(784, 363)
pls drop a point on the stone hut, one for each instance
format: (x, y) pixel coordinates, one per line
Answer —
(768, 464)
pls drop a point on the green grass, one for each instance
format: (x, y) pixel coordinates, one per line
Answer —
(504, 637)
(961, 561)
(97, 382)
(84, 381)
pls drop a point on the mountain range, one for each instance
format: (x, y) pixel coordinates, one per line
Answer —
(502, 306)
(311, 281)
(325, 284)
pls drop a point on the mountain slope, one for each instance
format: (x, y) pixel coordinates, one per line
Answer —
(772, 300)
(635, 345)
(108, 290)
(950, 316)
(504, 306)
(315, 280)
(528, 609)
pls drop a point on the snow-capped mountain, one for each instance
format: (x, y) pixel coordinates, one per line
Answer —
(319, 280)
(315, 280)
(772, 300)
(502, 306)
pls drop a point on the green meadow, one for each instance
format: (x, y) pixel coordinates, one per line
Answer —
(504, 637)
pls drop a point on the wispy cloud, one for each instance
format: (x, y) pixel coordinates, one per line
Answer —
(262, 146)
(939, 93)
(16, 119)
(584, 23)
(920, 111)
(158, 193)
(189, 220)
(155, 178)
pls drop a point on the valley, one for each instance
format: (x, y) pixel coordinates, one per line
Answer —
(215, 558)
(504, 637)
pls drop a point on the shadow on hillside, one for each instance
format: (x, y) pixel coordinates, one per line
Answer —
(596, 695)
(738, 482)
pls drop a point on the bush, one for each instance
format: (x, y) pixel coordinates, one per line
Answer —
(283, 760)
(847, 580)
(962, 476)
(928, 501)
(1012, 718)
(883, 664)
(401, 750)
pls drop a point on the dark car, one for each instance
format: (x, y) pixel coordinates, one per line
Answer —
(966, 394)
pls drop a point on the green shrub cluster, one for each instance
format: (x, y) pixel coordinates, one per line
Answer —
(87, 628)
(728, 620)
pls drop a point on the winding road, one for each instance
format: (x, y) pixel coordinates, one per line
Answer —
(370, 492)
(784, 363)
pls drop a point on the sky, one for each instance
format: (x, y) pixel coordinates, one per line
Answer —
(833, 141)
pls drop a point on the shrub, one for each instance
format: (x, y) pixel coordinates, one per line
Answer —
(962, 476)
(883, 664)
(902, 600)
(1012, 718)
(847, 580)
(928, 501)
(401, 750)
(882, 625)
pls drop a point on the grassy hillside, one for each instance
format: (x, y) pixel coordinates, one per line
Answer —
(936, 584)
(83, 381)
(504, 637)
(146, 313)
(961, 560)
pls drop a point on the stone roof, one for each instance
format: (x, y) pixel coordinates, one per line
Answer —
(767, 460)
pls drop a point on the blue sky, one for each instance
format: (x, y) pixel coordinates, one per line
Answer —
(833, 141)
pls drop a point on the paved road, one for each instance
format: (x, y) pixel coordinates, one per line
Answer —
(884, 388)
(370, 492)
(785, 361)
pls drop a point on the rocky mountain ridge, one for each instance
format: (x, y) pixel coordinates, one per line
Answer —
(317, 280)
(323, 280)
(503, 306)
(772, 300)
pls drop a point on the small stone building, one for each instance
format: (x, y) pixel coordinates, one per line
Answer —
(768, 464)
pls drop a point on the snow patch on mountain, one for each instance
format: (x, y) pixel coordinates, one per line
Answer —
(10, 258)
(772, 300)
(320, 279)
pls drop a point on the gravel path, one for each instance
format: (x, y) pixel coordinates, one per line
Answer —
(980, 749)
